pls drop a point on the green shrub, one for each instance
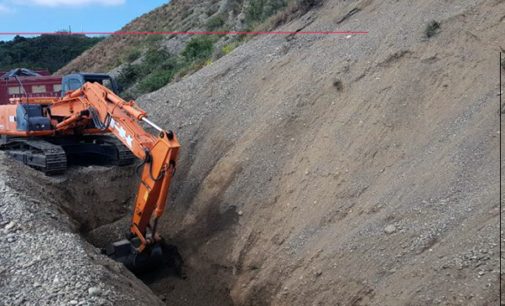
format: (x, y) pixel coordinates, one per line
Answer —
(432, 29)
(200, 48)
(155, 81)
(155, 71)
(129, 94)
(186, 12)
(215, 22)
(128, 76)
(260, 10)
(227, 49)
(211, 10)
(133, 55)
(255, 11)
(153, 59)
(153, 39)
(171, 63)
(240, 38)
(115, 63)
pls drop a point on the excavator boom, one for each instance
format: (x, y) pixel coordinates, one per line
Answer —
(93, 103)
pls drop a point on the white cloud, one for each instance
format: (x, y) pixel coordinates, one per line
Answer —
(4, 9)
(55, 3)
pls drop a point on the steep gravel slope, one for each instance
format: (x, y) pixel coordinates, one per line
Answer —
(342, 169)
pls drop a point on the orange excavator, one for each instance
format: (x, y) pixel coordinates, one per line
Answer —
(95, 109)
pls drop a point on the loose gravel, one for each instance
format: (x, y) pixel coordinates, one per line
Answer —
(44, 260)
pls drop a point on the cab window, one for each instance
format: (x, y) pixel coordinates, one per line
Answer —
(73, 84)
(108, 84)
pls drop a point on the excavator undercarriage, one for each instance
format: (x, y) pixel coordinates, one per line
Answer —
(52, 155)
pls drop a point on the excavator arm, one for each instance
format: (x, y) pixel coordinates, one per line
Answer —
(94, 104)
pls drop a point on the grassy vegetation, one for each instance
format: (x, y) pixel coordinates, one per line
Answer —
(153, 39)
(260, 10)
(128, 76)
(155, 81)
(158, 67)
(46, 51)
(211, 10)
(432, 29)
(227, 49)
(215, 22)
(198, 49)
(133, 55)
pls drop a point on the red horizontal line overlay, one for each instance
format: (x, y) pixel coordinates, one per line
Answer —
(178, 33)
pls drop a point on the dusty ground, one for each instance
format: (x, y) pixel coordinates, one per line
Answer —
(325, 169)
(300, 152)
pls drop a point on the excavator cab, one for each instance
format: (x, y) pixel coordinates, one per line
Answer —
(29, 117)
(77, 80)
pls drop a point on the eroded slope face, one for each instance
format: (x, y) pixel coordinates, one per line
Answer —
(300, 151)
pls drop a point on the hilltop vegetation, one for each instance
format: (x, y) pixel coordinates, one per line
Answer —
(145, 63)
(46, 51)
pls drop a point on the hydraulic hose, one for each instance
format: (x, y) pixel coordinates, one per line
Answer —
(96, 120)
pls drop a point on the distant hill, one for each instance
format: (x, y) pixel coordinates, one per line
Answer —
(47, 51)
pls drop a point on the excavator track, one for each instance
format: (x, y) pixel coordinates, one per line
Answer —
(95, 150)
(37, 153)
(52, 156)
(125, 156)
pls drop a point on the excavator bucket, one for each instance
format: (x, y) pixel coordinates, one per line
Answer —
(124, 251)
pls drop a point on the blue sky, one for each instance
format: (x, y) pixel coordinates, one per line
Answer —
(81, 15)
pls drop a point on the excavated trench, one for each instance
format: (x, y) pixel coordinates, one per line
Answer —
(99, 202)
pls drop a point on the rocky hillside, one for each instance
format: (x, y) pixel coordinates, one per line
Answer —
(145, 63)
(324, 169)
(342, 169)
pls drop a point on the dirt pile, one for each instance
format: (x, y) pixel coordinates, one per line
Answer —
(44, 260)
(342, 169)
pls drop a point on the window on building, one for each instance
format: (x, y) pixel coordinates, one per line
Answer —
(14, 90)
(38, 88)
(57, 87)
